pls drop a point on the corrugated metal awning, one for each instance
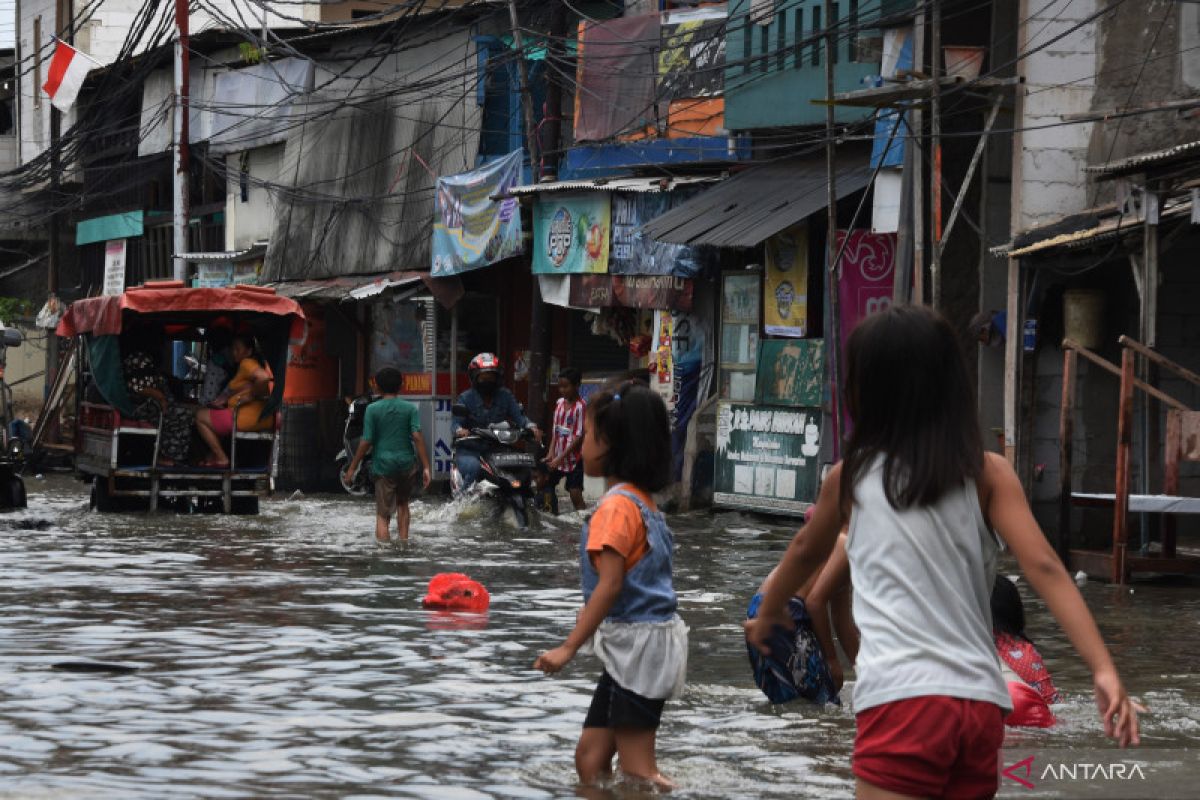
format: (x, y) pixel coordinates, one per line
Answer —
(1142, 161)
(760, 202)
(1085, 230)
(245, 254)
(349, 287)
(641, 185)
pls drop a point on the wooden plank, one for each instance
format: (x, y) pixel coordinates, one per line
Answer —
(1160, 359)
(1066, 438)
(1107, 365)
(1124, 437)
(1172, 444)
(1097, 563)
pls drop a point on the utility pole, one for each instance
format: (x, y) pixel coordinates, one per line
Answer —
(935, 155)
(64, 30)
(917, 293)
(181, 205)
(831, 244)
(539, 326)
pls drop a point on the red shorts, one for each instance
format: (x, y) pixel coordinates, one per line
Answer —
(931, 746)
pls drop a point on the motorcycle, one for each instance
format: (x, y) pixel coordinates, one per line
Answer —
(360, 482)
(506, 471)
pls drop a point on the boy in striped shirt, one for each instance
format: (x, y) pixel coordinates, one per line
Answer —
(563, 459)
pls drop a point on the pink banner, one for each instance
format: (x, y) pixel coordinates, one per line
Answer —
(867, 272)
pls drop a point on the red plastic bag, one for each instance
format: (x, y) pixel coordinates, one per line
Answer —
(453, 591)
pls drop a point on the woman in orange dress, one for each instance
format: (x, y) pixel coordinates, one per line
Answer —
(246, 396)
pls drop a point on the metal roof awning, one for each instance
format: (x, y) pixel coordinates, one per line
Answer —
(1085, 230)
(349, 287)
(246, 254)
(760, 202)
(1142, 161)
(640, 185)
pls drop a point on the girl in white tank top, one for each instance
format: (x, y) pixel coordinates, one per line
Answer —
(923, 500)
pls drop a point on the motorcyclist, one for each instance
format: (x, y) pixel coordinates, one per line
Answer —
(489, 403)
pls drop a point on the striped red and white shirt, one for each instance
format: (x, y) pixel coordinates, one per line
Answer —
(568, 426)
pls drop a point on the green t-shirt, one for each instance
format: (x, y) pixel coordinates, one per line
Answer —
(389, 426)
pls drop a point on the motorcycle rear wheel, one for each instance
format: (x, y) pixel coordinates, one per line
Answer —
(359, 486)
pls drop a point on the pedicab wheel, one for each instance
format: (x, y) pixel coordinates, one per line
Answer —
(15, 494)
(102, 501)
(243, 506)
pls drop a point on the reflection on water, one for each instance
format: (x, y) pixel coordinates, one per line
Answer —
(288, 655)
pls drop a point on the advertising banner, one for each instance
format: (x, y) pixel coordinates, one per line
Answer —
(767, 458)
(633, 253)
(571, 233)
(631, 291)
(662, 358)
(866, 275)
(785, 295)
(470, 229)
(691, 61)
(790, 373)
(689, 341)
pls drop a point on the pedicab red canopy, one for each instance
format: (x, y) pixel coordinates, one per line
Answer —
(102, 316)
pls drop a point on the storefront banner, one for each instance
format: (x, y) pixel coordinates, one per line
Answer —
(689, 340)
(785, 295)
(631, 291)
(867, 273)
(691, 61)
(471, 230)
(571, 233)
(791, 372)
(634, 253)
(766, 458)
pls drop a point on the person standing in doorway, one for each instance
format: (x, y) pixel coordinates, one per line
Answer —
(563, 459)
(392, 432)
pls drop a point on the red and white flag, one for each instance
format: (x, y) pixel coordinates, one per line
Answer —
(68, 69)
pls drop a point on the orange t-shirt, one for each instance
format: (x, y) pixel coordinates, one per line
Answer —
(617, 523)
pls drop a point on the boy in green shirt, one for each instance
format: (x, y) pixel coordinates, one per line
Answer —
(392, 430)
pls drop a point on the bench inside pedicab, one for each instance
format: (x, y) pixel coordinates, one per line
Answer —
(120, 447)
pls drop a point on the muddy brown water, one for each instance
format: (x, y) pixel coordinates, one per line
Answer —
(287, 655)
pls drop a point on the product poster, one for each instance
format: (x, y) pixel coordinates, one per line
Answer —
(471, 230)
(766, 458)
(662, 360)
(791, 372)
(866, 274)
(785, 295)
(571, 233)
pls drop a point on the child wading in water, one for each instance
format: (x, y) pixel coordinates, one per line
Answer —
(922, 499)
(628, 618)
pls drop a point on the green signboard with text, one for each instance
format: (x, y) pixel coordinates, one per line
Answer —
(767, 459)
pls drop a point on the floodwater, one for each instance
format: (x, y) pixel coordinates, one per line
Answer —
(287, 655)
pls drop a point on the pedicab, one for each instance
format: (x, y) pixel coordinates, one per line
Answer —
(120, 455)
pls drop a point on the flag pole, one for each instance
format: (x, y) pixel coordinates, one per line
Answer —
(181, 204)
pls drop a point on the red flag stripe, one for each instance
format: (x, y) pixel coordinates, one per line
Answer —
(63, 55)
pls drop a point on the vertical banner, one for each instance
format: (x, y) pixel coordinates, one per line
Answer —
(662, 361)
(114, 266)
(866, 275)
(470, 229)
(785, 296)
(689, 338)
(571, 233)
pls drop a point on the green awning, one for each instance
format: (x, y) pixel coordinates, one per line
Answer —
(114, 226)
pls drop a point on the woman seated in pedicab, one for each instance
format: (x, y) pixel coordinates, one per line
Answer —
(152, 396)
(245, 396)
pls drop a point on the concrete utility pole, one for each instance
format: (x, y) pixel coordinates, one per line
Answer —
(181, 201)
(539, 317)
(831, 245)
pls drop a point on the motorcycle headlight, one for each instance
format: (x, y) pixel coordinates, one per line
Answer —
(16, 450)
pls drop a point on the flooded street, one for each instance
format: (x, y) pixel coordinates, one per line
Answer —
(286, 655)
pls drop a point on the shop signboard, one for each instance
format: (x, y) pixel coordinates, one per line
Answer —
(766, 458)
(634, 253)
(631, 291)
(867, 274)
(114, 266)
(785, 296)
(791, 372)
(471, 229)
(571, 233)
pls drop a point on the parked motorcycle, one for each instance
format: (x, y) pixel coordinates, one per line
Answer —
(506, 471)
(360, 482)
(12, 447)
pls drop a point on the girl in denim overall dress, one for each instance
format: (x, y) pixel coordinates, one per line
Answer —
(628, 620)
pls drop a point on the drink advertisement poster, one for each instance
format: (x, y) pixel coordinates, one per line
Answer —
(471, 229)
(791, 372)
(571, 233)
(785, 296)
(767, 459)
(866, 276)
